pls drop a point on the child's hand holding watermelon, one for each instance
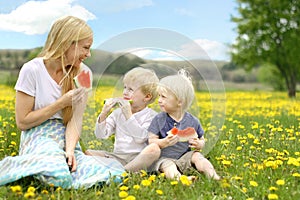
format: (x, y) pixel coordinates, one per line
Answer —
(197, 143)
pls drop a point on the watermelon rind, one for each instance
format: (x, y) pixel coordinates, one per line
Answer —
(77, 84)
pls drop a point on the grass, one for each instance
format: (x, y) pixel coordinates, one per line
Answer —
(253, 139)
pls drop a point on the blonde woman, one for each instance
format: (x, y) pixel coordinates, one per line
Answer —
(49, 111)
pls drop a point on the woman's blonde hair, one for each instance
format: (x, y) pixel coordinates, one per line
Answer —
(65, 32)
(145, 79)
(181, 86)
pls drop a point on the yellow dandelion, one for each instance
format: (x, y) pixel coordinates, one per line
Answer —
(124, 174)
(98, 193)
(272, 188)
(123, 194)
(16, 188)
(31, 189)
(239, 148)
(272, 196)
(174, 182)
(224, 183)
(280, 182)
(13, 134)
(296, 174)
(126, 180)
(124, 188)
(13, 154)
(226, 162)
(130, 197)
(244, 189)
(152, 178)
(162, 175)
(45, 192)
(253, 183)
(159, 192)
(143, 173)
(28, 195)
(136, 187)
(146, 182)
(185, 180)
(250, 198)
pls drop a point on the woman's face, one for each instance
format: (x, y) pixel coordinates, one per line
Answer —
(78, 53)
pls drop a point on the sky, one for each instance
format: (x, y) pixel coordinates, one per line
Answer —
(154, 29)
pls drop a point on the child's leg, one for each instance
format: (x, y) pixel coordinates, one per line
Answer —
(94, 153)
(170, 169)
(145, 159)
(203, 165)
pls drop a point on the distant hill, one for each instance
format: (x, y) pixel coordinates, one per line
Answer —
(112, 63)
(103, 62)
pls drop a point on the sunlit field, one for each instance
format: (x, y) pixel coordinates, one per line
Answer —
(255, 149)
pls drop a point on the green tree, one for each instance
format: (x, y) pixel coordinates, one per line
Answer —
(268, 32)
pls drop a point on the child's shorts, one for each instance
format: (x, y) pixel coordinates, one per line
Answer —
(184, 163)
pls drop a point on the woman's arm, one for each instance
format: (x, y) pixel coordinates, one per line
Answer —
(27, 118)
(73, 130)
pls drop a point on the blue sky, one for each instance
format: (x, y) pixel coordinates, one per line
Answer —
(24, 24)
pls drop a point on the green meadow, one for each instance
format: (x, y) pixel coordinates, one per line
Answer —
(252, 141)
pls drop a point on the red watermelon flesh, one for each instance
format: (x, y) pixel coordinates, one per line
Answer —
(83, 79)
(184, 135)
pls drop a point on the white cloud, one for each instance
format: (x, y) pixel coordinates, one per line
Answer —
(110, 6)
(205, 49)
(198, 49)
(36, 17)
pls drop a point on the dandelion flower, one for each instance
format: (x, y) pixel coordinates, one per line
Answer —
(272, 188)
(123, 194)
(272, 196)
(185, 180)
(160, 192)
(146, 182)
(253, 183)
(174, 182)
(124, 188)
(296, 174)
(280, 182)
(16, 188)
(130, 197)
(136, 187)
(28, 195)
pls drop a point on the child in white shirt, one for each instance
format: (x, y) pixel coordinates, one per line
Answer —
(130, 121)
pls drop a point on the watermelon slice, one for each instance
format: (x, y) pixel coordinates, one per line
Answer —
(130, 101)
(83, 79)
(184, 135)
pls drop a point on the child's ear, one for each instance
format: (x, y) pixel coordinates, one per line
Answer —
(179, 103)
(148, 97)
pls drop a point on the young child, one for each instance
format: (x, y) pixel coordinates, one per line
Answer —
(130, 121)
(176, 94)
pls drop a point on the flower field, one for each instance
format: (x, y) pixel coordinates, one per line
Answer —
(252, 141)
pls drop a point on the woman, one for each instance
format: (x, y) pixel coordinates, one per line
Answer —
(49, 111)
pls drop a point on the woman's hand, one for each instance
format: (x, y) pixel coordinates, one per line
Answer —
(73, 97)
(71, 161)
